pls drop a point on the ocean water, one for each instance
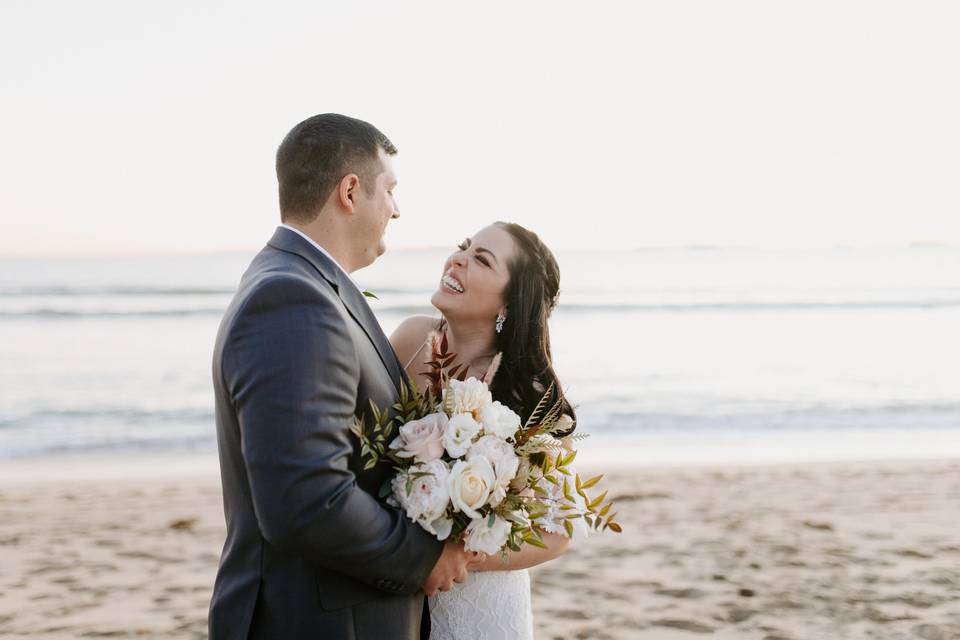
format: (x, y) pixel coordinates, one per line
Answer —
(668, 353)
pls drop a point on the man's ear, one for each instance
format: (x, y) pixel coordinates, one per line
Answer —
(347, 190)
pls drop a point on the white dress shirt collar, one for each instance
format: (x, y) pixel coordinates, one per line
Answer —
(324, 252)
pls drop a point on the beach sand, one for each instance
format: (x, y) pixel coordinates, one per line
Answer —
(802, 551)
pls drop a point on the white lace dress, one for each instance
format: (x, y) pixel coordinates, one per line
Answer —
(495, 605)
(490, 605)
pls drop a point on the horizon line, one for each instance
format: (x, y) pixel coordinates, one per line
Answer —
(692, 246)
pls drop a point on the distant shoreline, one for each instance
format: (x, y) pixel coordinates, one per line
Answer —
(107, 467)
(234, 251)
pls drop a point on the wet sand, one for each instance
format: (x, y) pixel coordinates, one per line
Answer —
(823, 550)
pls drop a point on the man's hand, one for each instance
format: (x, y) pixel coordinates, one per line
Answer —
(452, 566)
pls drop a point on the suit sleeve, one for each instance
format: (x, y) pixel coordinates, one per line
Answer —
(292, 371)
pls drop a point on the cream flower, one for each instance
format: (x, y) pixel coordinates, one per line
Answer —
(441, 527)
(461, 430)
(487, 539)
(499, 420)
(564, 424)
(427, 501)
(470, 484)
(505, 464)
(422, 439)
(468, 396)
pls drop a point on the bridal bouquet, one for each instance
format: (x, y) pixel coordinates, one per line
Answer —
(470, 469)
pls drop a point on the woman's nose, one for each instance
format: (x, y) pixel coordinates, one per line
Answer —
(459, 259)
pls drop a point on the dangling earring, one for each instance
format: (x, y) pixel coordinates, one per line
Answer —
(500, 320)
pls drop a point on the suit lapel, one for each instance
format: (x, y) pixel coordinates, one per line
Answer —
(356, 304)
(353, 300)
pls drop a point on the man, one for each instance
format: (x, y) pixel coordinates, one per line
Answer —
(310, 551)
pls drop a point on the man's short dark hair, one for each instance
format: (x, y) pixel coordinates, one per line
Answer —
(318, 153)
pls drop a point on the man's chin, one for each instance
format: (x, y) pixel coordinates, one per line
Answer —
(371, 256)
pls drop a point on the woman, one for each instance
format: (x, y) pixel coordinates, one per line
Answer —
(495, 295)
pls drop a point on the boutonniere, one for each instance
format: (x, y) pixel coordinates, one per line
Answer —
(370, 294)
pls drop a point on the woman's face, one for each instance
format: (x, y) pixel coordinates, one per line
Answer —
(475, 277)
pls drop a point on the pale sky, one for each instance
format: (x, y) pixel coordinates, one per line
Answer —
(151, 127)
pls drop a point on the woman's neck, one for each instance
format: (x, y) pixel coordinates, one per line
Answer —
(474, 344)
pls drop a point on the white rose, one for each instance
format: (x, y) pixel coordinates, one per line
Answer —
(505, 464)
(461, 429)
(422, 439)
(468, 396)
(487, 539)
(470, 484)
(499, 420)
(429, 495)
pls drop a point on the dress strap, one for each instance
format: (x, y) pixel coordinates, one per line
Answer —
(410, 361)
(441, 327)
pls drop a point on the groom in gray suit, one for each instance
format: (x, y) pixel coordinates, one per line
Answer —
(310, 550)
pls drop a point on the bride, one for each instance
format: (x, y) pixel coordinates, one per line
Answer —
(495, 295)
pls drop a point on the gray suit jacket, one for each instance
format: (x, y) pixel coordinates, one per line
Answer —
(310, 550)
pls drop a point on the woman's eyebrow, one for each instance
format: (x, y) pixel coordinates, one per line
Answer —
(484, 250)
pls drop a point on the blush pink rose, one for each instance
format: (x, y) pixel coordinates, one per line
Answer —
(422, 439)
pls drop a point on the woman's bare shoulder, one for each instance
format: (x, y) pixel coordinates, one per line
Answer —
(410, 335)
